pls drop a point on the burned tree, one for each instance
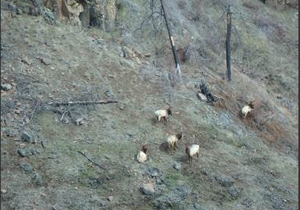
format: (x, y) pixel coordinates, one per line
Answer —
(156, 13)
(177, 66)
(228, 47)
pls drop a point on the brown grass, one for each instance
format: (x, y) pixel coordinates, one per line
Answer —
(274, 30)
(263, 120)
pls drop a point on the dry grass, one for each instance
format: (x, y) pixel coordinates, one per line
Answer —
(264, 119)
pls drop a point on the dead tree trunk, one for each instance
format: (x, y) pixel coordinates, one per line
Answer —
(177, 66)
(228, 47)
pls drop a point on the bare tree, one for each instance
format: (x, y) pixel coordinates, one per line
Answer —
(228, 47)
(156, 13)
(177, 66)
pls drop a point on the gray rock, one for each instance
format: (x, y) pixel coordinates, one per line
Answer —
(183, 190)
(22, 152)
(48, 16)
(73, 64)
(26, 167)
(247, 202)
(80, 121)
(12, 7)
(26, 136)
(57, 207)
(6, 87)
(224, 181)
(9, 132)
(110, 198)
(148, 189)
(19, 11)
(32, 151)
(197, 206)
(201, 96)
(154, 172)
(177, 166)
(109, 93)
(190, 85)
(97, 200)
(194, 206)
(38, 179)
(121, 106)
(65, 121)
(234, 192)
(176, 199)
(276, 200)
(46, 61)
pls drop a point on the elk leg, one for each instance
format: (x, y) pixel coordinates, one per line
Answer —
(165, 120)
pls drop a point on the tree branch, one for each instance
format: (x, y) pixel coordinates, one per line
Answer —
(91, 160)
(70, 103)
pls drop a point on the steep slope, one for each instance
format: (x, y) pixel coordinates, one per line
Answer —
(244, 163)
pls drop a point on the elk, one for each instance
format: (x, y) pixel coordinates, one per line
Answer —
(163, 114)
(142, 155)
(192, 150)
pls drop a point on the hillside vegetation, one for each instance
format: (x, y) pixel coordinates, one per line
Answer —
(83, 156)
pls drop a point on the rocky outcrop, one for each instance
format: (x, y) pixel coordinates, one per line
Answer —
(103, 14)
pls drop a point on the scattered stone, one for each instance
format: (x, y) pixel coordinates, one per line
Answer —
(73, 64)
(190, 85)
(234, 192)
(197, 206)
(80, 121)
(19, 11)
(201, 96)
(97, 200)
(38, 179)
(27, 137)
(110, 198)
(121, 106)
(113, 126)
(175, 198)
(111, 76)
(159, 181)
(22, 152)
(6, 87)
(247, 202)
(184, 190)
(26, 167)
(177, 166)
(148, 189)
(65, 121)
(45, 61)
(48, 15)
(153, 172)
(32, 151)
(128, 53)
(47, 43)
(109, 93)
(26, 60)
(122, 54)
(224, 181)
(3, 191)
(56, 207)
(9, 132)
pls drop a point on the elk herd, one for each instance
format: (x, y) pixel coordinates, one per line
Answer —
(191, 150)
